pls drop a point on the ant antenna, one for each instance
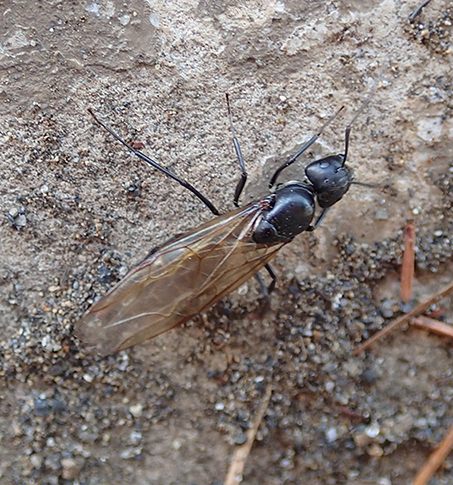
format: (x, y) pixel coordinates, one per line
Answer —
(240, 185)
(348, 128)
(304, 147)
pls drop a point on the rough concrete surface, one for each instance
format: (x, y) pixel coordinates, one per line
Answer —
(79, 211)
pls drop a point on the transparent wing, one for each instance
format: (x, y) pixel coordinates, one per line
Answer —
(182, 278)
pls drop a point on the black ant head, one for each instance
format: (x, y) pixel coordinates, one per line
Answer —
(331, 179)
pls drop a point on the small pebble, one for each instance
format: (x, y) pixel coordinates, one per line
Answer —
(36, 461)
(70, 469)
(381, 215)
(372, 431)
(136, 410)
(41, 407)
(329, 386)
(176, 444)
(331, 435)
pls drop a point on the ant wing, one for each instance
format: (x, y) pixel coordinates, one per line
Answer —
(180, 279)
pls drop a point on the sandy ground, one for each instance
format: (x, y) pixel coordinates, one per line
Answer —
(79, 211)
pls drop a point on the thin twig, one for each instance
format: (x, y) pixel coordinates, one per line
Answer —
(419, 309)
(435, 460)
(407, 268)
(432, 325)
(241, 453)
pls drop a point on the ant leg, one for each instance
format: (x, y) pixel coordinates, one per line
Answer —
(157, 166)
(272, 274)
(263, 287)
(318, 221)
(267, 290)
